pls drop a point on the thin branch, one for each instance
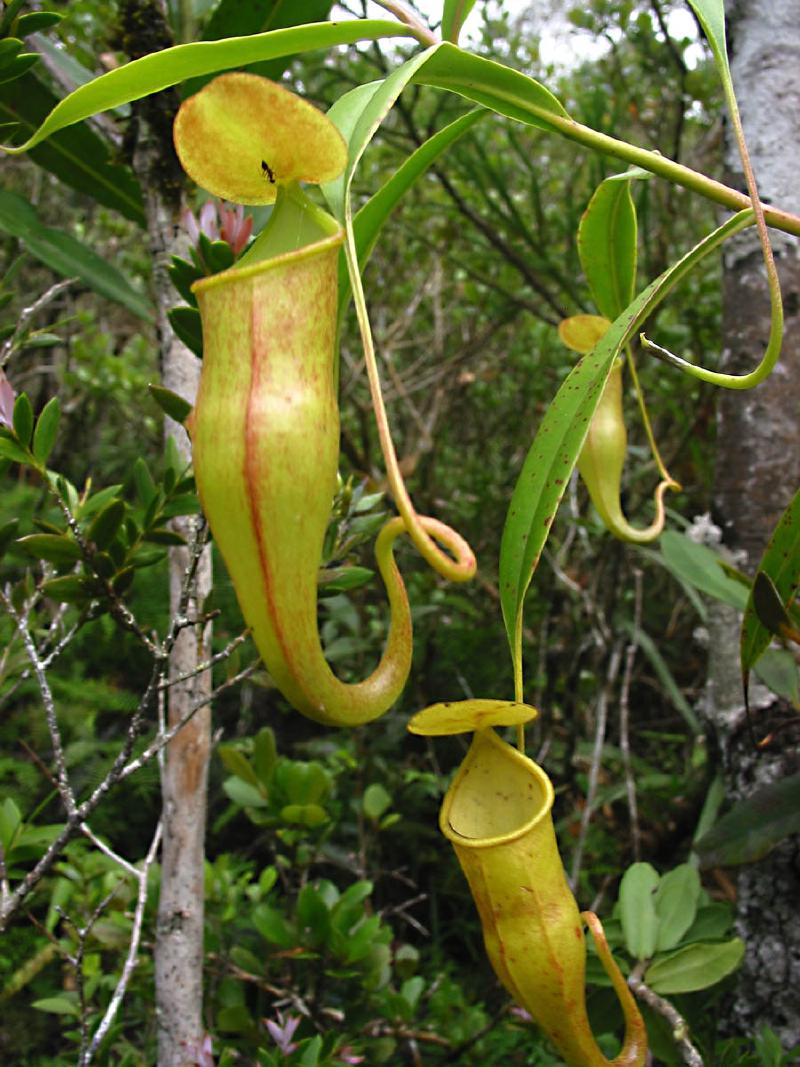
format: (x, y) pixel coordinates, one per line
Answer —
(624, 717)
(104, 848)
(422, 32)
(133, 951)
(165, 736)
(212, 661)
(680, 1028)
(28, 314)
(62, 777)
(597, 758)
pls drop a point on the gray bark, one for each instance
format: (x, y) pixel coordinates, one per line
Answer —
(758, 470)
(184, 772)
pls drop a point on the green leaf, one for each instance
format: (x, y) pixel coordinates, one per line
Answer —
(143, 480)
(170, 403)
(676, 903)
(607, 244)
(54, 548)
(375, 801)
(753, 826)
(711, 15)
(68, 589)
(35, 22)
(79, 157)
(340, 579)
(106, 524)
(160, 535)
(637, 910)
(10, 11)
(781, 565)
(23, 420)
(11, 450)
(44, 436)
(18, 67)
(186, 323)
(492, 84)
(701, 567)
(10, 823)
(372, 216)
(272, 926)
(559, 438)
(232, 18)
(694, 967)
(237, 763)
(65, 1004)
(712, 923)
(309, 1051)
(68, 256)
(777, 669)
(243, 794)
(454, 16)
(8, 533)
(160, 70)
(265, 755)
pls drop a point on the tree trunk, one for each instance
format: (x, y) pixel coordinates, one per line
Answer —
(179, 936)
(758, 471)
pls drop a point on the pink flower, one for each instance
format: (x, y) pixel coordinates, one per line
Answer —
(7, 398)
(219, 221)
(347, 1056)
(282, 1032)
(235, 226)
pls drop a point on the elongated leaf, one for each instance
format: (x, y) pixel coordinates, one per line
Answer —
(506, 91)
(370, 219)
(695, 967)
(232, 18)
(701, 567)
(23, 420)
(778, 670)
(453, 18)
(68, 256)
(638, 911)
(676, 903)
(711, 14)
(51, 547)
(555, 449)
(11, 450)
(781, 564)
(679, 701)
(171, 66)
(753, 826)
(78, 156)
(607, 244)
(44, 436)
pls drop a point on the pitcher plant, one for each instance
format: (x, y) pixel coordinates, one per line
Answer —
(602, 458)
(265, 428)
(497, 814)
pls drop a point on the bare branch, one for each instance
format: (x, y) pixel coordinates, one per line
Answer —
(597, 758)
(28, 314)
(624, 717)
(680, 1028)
(133, 952)
(62, 777)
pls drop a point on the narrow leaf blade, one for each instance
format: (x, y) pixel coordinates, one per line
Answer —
(781, 564)
(160, 70)
(695, 967)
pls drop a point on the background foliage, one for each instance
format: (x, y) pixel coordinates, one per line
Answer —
(332, 904)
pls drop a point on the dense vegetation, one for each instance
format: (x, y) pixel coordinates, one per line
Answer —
(338, 926)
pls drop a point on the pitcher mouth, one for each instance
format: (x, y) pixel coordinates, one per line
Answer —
(497, 796)
(326, 243)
